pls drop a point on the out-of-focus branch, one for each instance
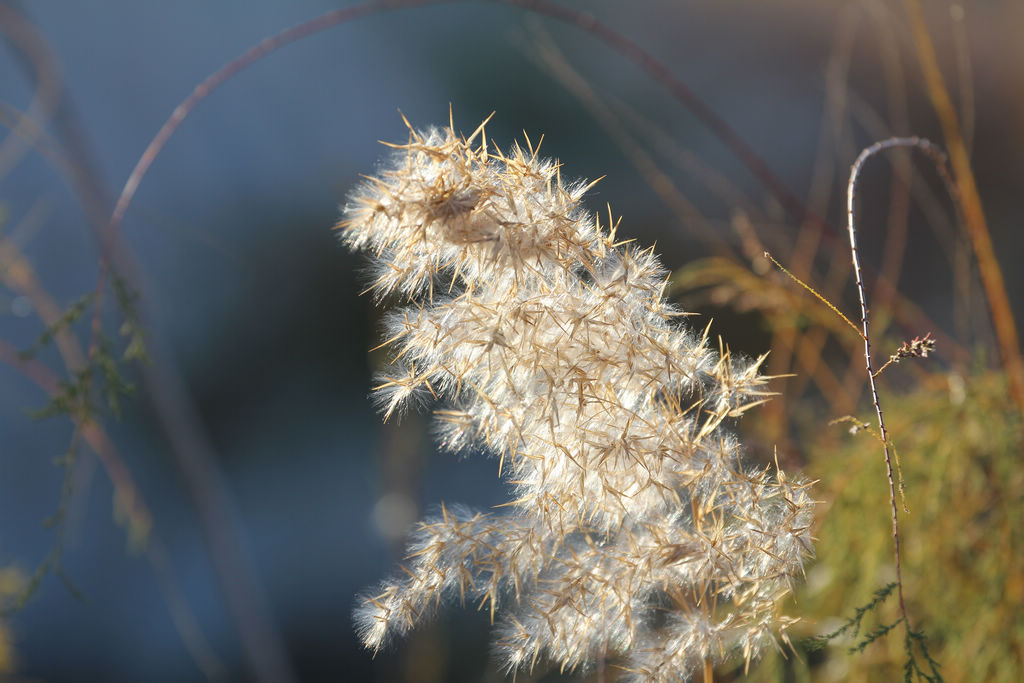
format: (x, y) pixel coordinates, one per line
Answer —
(137, 515)
(23, 35)
(546, 53)
(263, 646)
(578, 19)
(125, 490)
(974, 215)
(19, 276)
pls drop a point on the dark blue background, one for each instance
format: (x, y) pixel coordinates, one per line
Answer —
(246, 287)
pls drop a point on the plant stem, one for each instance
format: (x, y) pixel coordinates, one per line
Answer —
(974, 215)
(866, 334)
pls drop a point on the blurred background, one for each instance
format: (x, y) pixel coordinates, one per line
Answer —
(248, 491)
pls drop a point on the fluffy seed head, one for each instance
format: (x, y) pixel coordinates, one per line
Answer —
(634, 533)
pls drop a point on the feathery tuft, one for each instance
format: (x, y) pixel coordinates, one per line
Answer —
(550, 344)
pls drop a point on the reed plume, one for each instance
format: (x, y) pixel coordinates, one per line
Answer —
(635, 533)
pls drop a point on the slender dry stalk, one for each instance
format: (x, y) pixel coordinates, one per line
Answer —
(866, 334)
(547, 54)
(27, 41)
(940, 161)
(974, 214)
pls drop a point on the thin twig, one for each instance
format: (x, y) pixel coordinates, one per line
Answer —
(946, 230)
(813, 291)
(933, 152)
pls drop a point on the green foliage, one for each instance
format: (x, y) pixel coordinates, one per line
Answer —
(62, 324)
(113, 386)
(853, 624)
(70, 399)
(912, 669)
(131, 328)
(53, 561)
(11, 584)
(960, 439)
(95, 390)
